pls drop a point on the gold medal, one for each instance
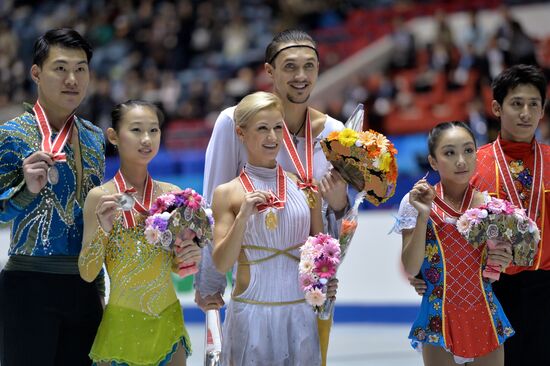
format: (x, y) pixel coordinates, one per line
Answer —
(271, 220)
(311, 197)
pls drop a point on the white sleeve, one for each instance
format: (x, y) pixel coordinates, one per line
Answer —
(222, 162)
(208, 280)
(222, 159)
(406, 216)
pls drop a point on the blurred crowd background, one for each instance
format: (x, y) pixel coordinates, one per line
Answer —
(195, 58)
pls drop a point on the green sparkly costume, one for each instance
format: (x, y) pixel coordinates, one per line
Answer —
(143, 322)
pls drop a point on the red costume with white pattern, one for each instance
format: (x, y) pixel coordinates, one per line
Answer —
(520, 158)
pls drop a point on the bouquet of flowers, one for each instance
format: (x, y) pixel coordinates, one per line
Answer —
(319, 258)
(181, 215)
(365, 159)
(500, 220)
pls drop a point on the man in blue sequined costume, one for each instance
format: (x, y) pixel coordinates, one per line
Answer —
(48, 314)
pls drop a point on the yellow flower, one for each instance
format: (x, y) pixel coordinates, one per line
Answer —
(347, 137)
(431, 250)
(385, 161)
(516, 167)
(437, 306)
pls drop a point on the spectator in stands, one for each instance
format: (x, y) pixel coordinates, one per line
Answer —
(404, 49)
(522, 47)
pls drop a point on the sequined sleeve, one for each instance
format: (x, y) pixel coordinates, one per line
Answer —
(14, 196)
(92, 256)
(406, 216)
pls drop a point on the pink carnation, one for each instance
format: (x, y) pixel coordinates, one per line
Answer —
(475, 215)
(509, 208)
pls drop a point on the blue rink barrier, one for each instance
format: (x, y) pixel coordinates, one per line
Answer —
(393, 314)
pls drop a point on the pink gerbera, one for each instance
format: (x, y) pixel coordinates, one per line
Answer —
(331, 250)
(315, 297)
(306, 281)
(324, 268)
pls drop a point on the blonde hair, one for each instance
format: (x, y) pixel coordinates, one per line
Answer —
(254, 103)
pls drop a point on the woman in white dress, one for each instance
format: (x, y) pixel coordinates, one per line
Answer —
(262, 218)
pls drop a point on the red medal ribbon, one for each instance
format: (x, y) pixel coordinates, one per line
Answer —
(46, 132)
(536, 187)
(305, 174)
(442, 209)
(275, 201)
(142, 208)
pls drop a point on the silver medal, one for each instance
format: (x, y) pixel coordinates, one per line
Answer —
(53, 175)
(126, 202)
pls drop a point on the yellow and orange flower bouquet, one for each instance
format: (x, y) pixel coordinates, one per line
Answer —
(365, 159)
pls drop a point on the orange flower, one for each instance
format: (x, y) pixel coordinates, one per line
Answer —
(373, 151)
(333, 135)
(348, 226)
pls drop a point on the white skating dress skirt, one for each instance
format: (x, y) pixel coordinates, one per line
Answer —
(270, 324)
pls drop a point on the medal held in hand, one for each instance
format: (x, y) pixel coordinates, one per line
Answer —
(126, 202)
(274, 203)
(53, 175)
(58, 143)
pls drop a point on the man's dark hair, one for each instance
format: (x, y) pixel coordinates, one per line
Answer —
(287, 36)
(518, 75)
(61, 37)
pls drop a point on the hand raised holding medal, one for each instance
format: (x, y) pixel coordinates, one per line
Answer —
(53, 148)
(262, 200)
(126, 201)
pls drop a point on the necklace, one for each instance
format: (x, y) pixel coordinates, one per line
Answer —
(295, 135)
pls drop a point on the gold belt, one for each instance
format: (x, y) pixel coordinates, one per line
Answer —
(276, 252)
(268, 303)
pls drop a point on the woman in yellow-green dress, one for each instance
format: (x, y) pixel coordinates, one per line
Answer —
(143, 322)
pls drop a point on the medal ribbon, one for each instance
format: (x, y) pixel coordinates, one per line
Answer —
(121, 186)
(536, 187)
(46, 132)
(442, 209)
(275, 201)
(305, 174)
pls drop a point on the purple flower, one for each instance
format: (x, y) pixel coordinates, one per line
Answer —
(159, 223)
(432, 275)
(179, 200)
(525, 178)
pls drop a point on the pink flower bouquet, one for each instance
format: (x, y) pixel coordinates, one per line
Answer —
(496, 221)
(179, 215)
(319, 259)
